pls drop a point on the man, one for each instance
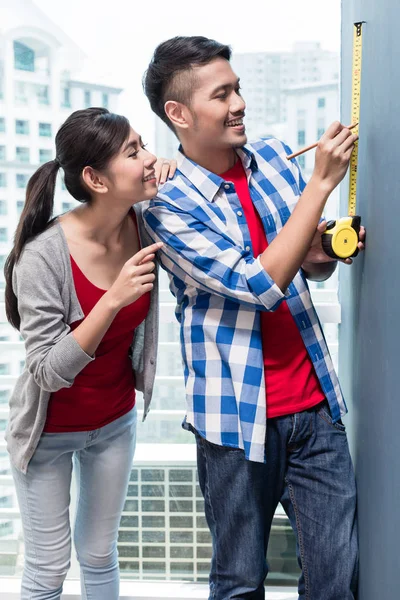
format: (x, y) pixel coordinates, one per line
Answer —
(241, 233)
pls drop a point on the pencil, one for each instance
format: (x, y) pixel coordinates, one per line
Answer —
(307, 148)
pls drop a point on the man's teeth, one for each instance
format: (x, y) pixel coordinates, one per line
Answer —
(235, 123)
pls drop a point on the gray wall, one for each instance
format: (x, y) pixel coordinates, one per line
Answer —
(370, 296)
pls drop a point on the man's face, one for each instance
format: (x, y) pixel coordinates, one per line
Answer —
(217, 108)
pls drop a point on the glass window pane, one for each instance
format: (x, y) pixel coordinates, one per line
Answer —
(24, 57)
(65, 97)
(22, 154)
(87, 99)
(45, 155)
(45, 129)
(22, 127)
(21, 180)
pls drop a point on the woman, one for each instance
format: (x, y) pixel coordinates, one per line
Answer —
(80, 288)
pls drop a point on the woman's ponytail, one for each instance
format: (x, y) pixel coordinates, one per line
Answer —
(34, 219)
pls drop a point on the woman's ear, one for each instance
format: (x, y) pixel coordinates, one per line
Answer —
(94, 181)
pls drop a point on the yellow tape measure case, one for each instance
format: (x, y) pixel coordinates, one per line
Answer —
(340, 240)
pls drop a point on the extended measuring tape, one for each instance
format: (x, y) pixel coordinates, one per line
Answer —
(342, 236)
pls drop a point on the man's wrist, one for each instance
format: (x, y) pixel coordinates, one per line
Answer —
(321, 184)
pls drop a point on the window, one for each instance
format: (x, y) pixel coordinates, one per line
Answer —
(321, 102)
(3, 207)
(21, 180)
(4, 395)
(302, 161)
(22, 154)
(2, 153)
(24, 57)
(4, 367)
(3, 180)
(20, 93)
(301, 137)
(22, 127)
(20, 206)
(2, 124)
(45, 155)
(66, 206)
(65, 97)
(43, 94)
(320, 127)
(105, 100)
(5, 501)
(45, 129)
(6, 528)
(87, 99)
(3, 234)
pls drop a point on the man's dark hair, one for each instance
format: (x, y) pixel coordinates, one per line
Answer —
(170, 75)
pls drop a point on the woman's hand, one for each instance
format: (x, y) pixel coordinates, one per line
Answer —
(135, 279)
(165, 169)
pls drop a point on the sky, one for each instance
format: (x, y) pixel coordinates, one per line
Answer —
(120, 36)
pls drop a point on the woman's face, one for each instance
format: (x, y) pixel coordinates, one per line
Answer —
(131, 174)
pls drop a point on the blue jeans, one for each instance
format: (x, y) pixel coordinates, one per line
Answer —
(309, 471)
(103, 462)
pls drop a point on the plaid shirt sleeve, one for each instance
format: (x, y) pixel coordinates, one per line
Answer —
(295, 168)
(206, 259)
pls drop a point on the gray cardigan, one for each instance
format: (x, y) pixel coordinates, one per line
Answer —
(47, 304)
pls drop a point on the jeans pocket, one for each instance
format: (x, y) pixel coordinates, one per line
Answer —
(325, 414)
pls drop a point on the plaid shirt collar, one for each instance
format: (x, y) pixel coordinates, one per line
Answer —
(207, 183)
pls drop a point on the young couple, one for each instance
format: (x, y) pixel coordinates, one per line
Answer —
(239, 233)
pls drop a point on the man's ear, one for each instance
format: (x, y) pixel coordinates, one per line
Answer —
(179, 114)
(94, 181)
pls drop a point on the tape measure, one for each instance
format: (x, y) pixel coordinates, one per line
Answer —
(341, 237)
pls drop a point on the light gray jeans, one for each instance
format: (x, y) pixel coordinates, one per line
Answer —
(102, 462)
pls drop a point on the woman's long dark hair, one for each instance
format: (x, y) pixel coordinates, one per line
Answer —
(90, 137)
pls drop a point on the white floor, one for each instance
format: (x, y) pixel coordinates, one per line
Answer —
(138, 590)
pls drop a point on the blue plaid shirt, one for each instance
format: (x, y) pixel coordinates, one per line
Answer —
(221, 290)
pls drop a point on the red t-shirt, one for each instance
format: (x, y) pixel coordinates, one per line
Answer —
(105, 389)
(290, 379)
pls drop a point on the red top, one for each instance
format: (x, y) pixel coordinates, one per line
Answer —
(290, 379)
(105, 389)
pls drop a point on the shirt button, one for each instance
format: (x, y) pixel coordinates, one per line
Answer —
(239, 213)
(247, 248)
(227, 186)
